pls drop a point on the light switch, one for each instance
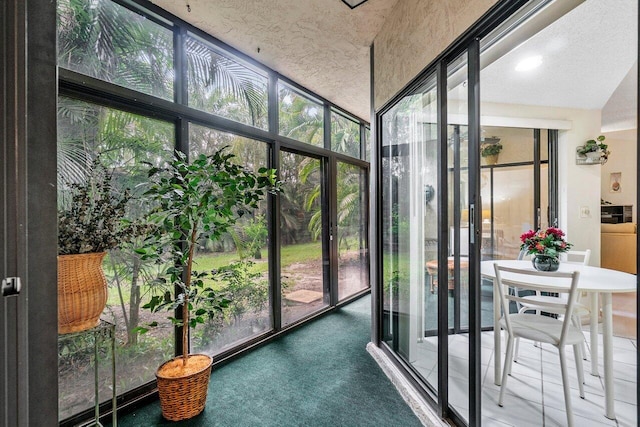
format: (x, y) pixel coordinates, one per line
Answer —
(584, 212)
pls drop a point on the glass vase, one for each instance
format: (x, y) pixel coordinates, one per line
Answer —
(545, 263)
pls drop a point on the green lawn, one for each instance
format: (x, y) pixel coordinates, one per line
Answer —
(290, 254)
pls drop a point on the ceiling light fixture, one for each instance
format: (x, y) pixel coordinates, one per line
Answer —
(353, 3)
(529, 63)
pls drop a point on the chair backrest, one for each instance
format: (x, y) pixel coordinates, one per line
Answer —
(563, 283)
(576, 257)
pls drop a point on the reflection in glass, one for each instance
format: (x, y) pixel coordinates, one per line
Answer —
(409, 229)
(107, 41)
(223, 86)
(511, 191)
(300, 118)
(367, 144)
(243, 251)
(353, 252)
(122, 141)
(303, 268)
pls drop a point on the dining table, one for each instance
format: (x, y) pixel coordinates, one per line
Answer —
(597, 283)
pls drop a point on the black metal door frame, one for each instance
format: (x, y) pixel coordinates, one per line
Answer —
(28, 373)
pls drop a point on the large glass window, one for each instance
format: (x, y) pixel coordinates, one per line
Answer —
(212, 97)
(241, 253)
(300, 117)
(223, 86)
(345, 135)
(121, 141)
(107, 41)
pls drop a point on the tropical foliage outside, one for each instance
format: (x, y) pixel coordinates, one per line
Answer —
(109, 42)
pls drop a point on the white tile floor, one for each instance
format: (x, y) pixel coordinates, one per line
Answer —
(534, 395)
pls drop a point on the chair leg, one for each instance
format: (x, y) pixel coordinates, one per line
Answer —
(578, 324)
(565, 386)
(507, 368)
(515, 354)
(577, 353)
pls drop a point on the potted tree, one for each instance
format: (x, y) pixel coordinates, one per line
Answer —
(91, 220)
(490, 149)
(196, 200)
(594, 150)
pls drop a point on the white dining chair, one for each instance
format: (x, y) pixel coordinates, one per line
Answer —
(533, 302)
(544, 329)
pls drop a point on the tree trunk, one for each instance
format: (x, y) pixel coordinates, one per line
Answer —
(134, 302)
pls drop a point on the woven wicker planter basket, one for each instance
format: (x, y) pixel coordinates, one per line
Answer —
(185, 397)
(82, 291)
(491, 159)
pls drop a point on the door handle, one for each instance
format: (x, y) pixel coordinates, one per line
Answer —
(11, 286)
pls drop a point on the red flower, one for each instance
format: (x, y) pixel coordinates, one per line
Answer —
(547, 242)
(556, 232)
(529, 234)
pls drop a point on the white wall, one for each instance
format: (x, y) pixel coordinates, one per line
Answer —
(624, 148)
(579, 185)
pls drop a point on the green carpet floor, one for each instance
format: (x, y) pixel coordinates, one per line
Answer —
(318, 375)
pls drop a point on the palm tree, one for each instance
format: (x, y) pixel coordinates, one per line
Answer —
(300, 118)
(107, 41)
(224, 86)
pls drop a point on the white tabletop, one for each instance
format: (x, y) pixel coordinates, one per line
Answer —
(592, 279)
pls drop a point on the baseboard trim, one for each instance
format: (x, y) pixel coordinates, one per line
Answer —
(425, 413)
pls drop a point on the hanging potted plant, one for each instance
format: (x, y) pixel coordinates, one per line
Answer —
(490, 149)
(91, 220)
(594, 150)
(196, 201)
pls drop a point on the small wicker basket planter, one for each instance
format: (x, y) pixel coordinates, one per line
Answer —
(491, 159)
(82, 291)
(184, 397)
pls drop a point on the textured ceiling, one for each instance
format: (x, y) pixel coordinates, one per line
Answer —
(324, 46)
(585, 56)
(321, 44)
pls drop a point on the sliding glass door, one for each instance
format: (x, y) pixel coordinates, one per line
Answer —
(458, 229)
(410, 223)
(304, 258)
(507, 106)
(351, 229)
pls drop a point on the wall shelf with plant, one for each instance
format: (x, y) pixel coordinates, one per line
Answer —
(593, 152)
(490, 150)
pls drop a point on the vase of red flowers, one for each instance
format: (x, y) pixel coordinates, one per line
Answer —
(545, 246)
